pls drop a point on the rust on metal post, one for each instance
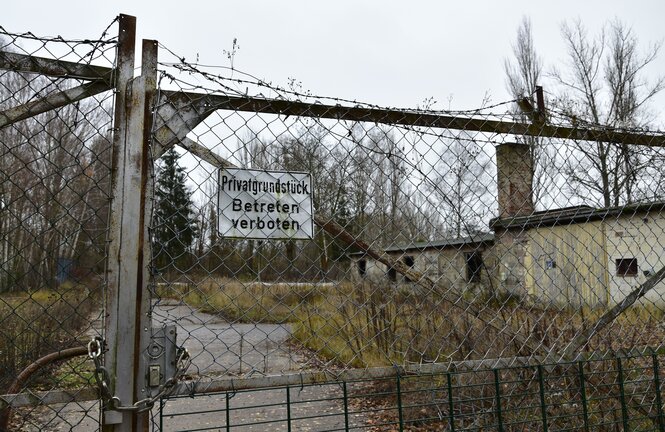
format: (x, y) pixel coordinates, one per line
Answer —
(121, 250)
(133, 326)
(143, 326)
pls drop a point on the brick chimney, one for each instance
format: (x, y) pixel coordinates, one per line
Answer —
(514, 180)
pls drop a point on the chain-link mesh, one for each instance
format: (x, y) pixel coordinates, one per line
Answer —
(483, 259)
(55, 167)
(494, 237)
(617, 392)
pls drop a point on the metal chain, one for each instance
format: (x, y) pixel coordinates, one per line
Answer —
(95, 349)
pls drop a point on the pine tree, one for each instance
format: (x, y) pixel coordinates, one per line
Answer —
(174, 224)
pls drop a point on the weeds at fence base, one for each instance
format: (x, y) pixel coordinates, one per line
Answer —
(35, 324)
(607, 393)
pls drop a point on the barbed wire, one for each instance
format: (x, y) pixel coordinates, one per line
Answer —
(59, 39)
(196, 68)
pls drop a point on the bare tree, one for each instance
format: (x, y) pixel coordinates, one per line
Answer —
(309, 150)
(524, 69)
(604, 84)
(49, 185)
(461, 187)
(523, 73)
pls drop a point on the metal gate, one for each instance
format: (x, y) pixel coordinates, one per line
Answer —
(264, 257)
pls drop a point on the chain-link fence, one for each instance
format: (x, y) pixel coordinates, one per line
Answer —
(334, 264)
(510, 236)
(55, 165)
(615, 392)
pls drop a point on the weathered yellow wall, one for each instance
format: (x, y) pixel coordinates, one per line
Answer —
(579, 275)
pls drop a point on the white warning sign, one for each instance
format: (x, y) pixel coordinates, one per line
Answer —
(262, 204)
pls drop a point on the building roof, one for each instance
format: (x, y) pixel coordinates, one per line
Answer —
(562, 216)
(578, 214)
(440, 244)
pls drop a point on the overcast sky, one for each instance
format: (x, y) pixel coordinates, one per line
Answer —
(393, 53)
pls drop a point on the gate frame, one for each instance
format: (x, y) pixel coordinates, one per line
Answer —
(128, 322)
(136, 144)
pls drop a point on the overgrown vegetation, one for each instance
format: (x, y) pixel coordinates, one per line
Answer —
(38, 323)
(601, 394)
(365, 324)
(239, 301)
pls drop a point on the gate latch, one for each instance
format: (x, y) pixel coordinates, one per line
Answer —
(162, 357)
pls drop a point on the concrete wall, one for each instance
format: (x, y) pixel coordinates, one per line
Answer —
(576, 264)
(642, 237)
(446, 266)
(567, 265)
(510, 254)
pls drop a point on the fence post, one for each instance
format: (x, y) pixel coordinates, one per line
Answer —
(622, 394)
(400, 409)
(656, 383)
(497, 389)
(346, 406)
(585, 408)
(127, 323)
(451, 412)
(288, 408)
(543, 401)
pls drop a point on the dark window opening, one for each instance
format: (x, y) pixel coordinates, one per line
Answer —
(474, 266)
(626, 267)
(410, 262)
(362, 268)
(392, 274)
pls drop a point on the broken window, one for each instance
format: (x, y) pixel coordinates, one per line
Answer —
(409, 261)
(626, 267)
(362, 267)
(474, 266)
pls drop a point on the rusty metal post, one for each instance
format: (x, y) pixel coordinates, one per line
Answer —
(143, 329)
(117, 272)
(127, 321)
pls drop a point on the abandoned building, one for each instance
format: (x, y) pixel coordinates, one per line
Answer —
(570, 256)
(455, 262)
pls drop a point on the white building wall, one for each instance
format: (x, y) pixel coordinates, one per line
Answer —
(642, 237)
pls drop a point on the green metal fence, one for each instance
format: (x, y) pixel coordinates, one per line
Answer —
(608, 392)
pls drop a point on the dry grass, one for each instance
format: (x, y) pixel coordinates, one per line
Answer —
(363, 325)
(245, 301)
(35, 324)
